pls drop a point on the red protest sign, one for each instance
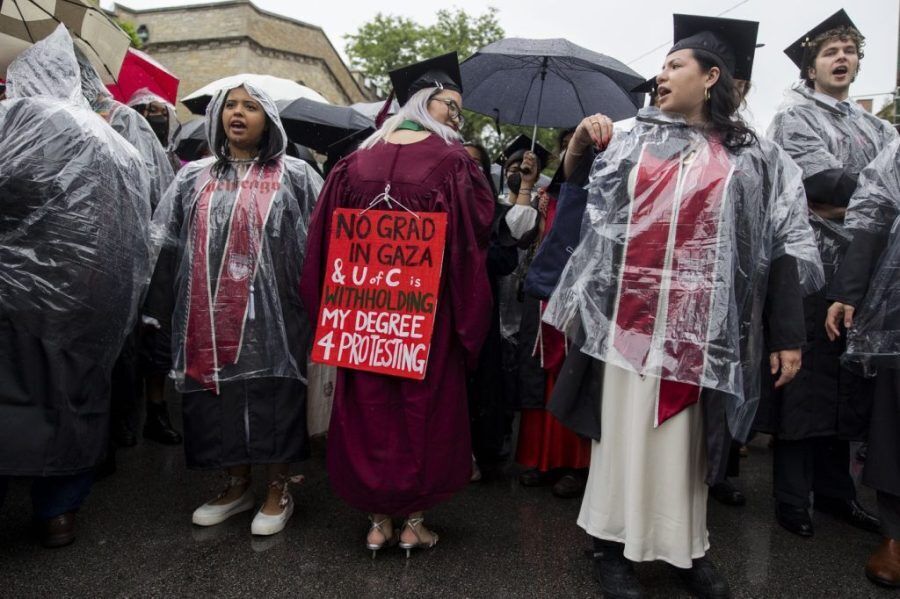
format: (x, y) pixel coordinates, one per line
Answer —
(380, 291)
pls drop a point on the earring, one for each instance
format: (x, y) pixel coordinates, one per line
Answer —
(706, 94)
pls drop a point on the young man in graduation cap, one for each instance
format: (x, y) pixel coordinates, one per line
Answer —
(815, 417)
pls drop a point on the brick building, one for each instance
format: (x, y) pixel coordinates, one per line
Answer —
(204, 42)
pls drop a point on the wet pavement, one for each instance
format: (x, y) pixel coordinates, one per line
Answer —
(498, 539)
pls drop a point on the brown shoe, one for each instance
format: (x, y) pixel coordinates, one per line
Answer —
(58, 531)
(884, 565)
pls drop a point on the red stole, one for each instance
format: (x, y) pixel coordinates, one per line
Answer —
(668, 271)
(550, 345)
(215, 321)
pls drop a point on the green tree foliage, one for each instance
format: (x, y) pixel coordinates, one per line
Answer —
(129, 28)
(389, 41)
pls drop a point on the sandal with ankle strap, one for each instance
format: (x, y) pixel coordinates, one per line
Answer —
(387, 542)
(412, 523)
(266, 524)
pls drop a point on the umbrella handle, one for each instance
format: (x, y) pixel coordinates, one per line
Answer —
(537, 117)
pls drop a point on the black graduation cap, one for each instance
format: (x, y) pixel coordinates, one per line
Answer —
(733, 41)
(523, 143)
(797, 51)
(440, 71)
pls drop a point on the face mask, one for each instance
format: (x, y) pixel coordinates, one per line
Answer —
(160, 125)
(514, 183)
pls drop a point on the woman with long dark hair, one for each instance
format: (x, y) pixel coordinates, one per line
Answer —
(689, 220)
(232, 233)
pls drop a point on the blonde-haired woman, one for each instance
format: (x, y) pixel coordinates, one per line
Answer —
(397, 447)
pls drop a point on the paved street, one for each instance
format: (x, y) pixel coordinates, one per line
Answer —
(497, 540)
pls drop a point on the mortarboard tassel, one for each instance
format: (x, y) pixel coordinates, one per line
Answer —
(385, 110)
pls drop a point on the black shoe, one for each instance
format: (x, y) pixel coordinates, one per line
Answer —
(122, 435)
(727, 493)
(536, 478)
(614, 572)
(704, 580)
(848, 510)
(158, 427)
(58, 531)
(795, 519)
(571, 485)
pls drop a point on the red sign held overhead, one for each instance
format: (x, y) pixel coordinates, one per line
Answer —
(380, 291)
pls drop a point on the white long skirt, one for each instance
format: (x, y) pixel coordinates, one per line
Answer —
(646, 486)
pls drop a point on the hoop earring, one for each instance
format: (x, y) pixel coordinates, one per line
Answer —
(706, 94)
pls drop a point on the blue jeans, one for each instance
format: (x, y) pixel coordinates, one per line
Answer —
(55, 495)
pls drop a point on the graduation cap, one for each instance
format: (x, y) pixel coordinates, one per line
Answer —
(732, 41)
(440, 71)
(523, 144)
(798, 52)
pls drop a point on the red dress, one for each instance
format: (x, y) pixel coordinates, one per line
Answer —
(398, 446)
(544, 443)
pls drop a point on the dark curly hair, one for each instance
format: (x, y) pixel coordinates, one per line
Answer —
(842, 33)
(722, 107)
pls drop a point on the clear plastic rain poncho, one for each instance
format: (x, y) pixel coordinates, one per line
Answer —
(130, 125)
(819, 136)
(875, 208)
(74, 215)
(233, 238)
(669, 278)
(145, 96)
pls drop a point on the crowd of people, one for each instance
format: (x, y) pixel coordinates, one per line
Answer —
(680, 283)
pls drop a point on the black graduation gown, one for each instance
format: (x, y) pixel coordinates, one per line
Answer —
(490, 407)
(253, 420)
(73, 263)
(825, 398)
(882, 469)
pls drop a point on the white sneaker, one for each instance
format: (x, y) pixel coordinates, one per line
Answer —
(210, 515)
(264, 524)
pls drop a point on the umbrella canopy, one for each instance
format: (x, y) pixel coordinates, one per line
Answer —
(24, 22)
(277, 88)
(372, 109)
(140, 71)
(547, 83)
(318, 126)
(190, 141)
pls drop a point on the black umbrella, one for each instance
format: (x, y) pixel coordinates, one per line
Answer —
(547, 83)
(190, 141)
(318, 126)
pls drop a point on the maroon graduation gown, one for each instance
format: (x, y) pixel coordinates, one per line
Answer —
(398, 446)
